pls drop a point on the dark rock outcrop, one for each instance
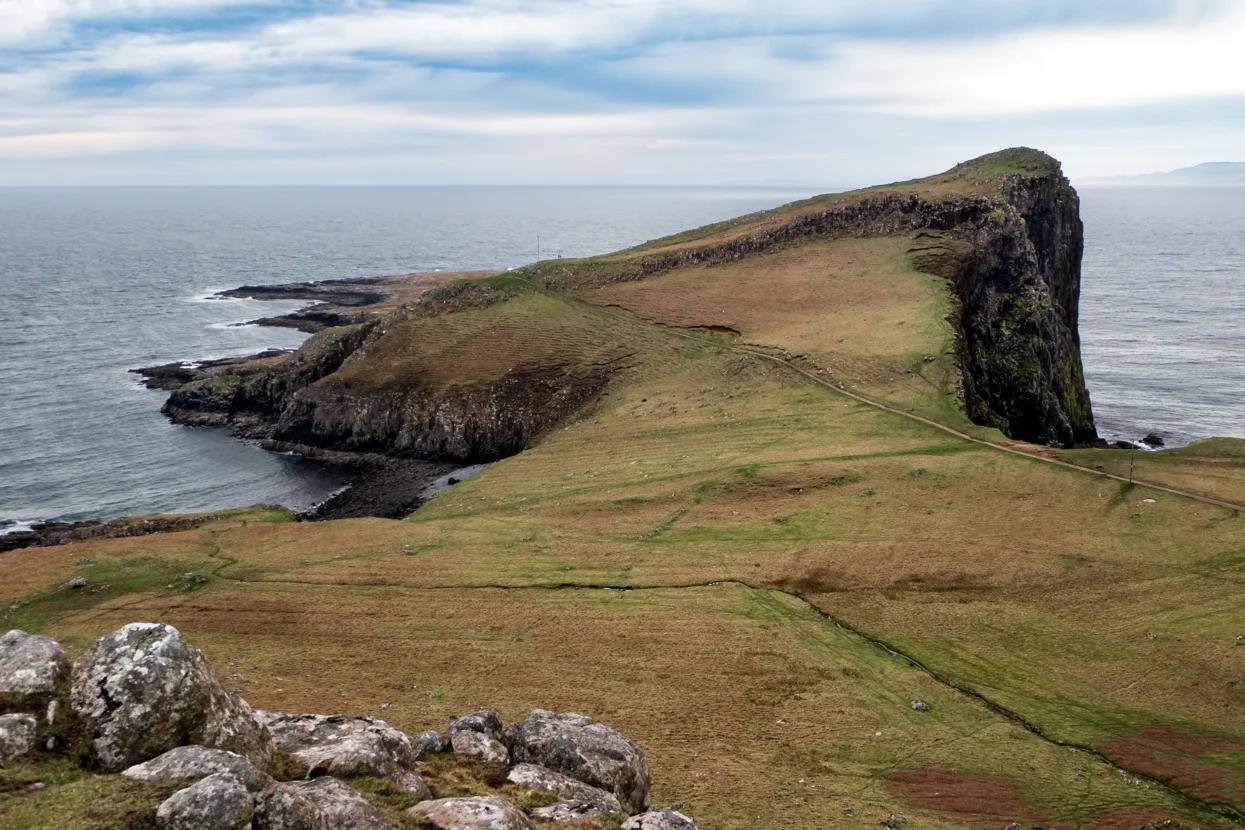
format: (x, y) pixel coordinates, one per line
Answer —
(48, 534)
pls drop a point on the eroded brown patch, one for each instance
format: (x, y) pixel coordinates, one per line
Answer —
(1178, 757)
(952, 791)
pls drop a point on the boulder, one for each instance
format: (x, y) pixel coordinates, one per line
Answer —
(285, 808)
(482, 813)
(340, 805)
(532, 777)
(479, 746)
(18, 735)
(30, 664)
(565, 812)
(344, 746)
(218, 802)
(659, 820)
(487, 722)
(144, 690)
(1152, 440)
(431, 743)
(190, 763)
(591, 752)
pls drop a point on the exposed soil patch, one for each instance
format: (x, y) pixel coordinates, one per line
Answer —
(951, 791)
(1178, 757)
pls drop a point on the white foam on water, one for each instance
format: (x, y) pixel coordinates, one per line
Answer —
(18, 527)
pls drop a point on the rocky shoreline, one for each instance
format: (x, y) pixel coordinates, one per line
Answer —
(344, 302)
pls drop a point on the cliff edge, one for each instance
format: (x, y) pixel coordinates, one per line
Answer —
(477, 370)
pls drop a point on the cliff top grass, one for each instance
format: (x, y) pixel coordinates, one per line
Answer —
(748, 571)
(982, 176)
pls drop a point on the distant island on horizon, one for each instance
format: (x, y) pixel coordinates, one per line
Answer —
(1213, 173)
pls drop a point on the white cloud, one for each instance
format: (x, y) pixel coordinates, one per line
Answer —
(742, 84)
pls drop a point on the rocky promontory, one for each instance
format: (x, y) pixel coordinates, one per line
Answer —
(469, 371)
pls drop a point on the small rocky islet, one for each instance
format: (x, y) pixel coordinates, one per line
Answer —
(144, 704)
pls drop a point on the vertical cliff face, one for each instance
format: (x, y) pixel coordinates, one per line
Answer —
(1019, 294)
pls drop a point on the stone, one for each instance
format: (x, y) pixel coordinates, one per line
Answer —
(431, 743)
(480, 746)
(659, 820)
(18, 735)
(31, 664)
(533, 777)
(579, 747)
(285, 808)
(190, 763)
(218, 802)
(565, 812)
(481, 813)
(344, 746)
(919, 705)
(75, 584)
(144, 690)
(487, 722)
(340, 805)
(1152, 440)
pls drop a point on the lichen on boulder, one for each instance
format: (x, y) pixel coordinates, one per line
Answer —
(31, 664)
(143, 690)
(579, 747)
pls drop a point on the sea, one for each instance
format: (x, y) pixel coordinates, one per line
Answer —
(97, 281)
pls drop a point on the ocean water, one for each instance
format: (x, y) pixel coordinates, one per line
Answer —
(1163, 311)
(98, 281)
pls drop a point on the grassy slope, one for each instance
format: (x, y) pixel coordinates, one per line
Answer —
(722, 488)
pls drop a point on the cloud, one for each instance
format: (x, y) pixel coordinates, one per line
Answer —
(625, 84)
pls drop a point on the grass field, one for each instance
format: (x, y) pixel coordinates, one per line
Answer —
(752, 574)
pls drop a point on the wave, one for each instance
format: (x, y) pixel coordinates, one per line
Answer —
(8, 526)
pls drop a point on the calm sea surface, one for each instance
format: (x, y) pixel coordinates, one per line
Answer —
(98, 281)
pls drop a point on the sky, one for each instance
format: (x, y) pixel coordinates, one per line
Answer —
(702, 92)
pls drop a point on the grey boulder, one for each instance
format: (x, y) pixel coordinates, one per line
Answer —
(285, 808)
(659, 820)
(340, 805)
(532, 777)
(482, 813)
(190, 763)
(431, 743)
(479, 746)
(218, 802)
(478, 736)
(143, 690)
(18, 735)
(487, 721)
(579, 747)
(341, 745)
(565, 812)
(31, 664)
